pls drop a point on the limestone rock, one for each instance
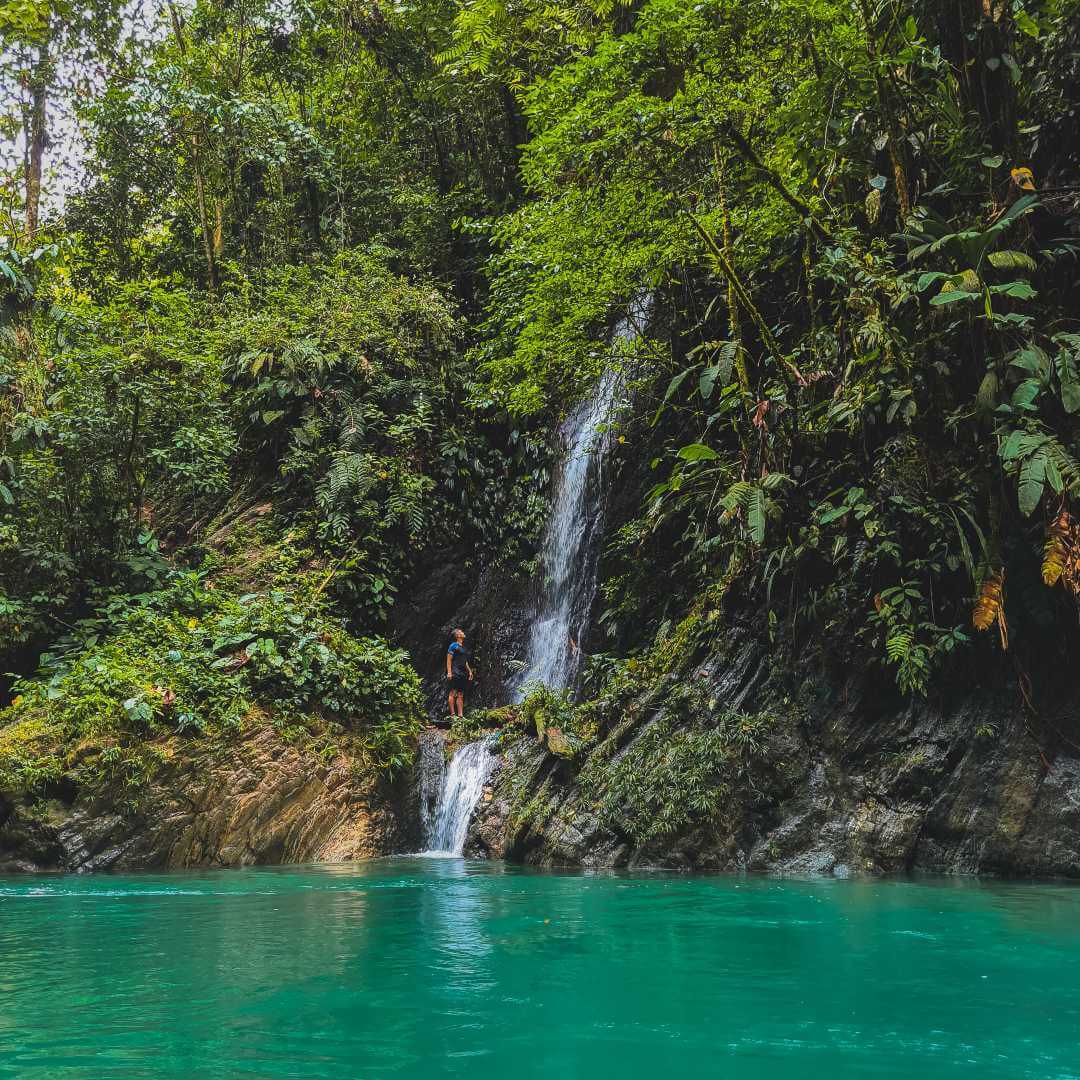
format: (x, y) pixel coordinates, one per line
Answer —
(255, 800)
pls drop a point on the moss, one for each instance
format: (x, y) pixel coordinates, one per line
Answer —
(480, 722)
(534, 812)
(32, 754)
(516, 784)
(675, 774)
(258, 552)
(544, 712)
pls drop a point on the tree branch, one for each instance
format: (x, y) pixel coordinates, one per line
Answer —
(750, 307)
(776, 182)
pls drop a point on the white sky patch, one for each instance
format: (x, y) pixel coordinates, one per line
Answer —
(81, 69)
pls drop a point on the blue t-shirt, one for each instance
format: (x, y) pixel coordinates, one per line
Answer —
(458, 658)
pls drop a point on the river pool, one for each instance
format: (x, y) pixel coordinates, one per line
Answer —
(441, 967)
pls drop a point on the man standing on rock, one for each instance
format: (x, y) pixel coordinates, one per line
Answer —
(458, 673)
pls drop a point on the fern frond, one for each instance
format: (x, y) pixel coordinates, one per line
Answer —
(735, 498)
(898, 644)
(354, 425)
(303, 355)
(349, 476)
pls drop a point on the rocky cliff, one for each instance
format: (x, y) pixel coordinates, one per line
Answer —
(835, 777)
(492, 607)
(253, 799)
(786, 770)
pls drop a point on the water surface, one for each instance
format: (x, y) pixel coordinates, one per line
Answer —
(438, 967)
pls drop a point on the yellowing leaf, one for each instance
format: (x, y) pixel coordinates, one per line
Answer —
(1055, 551)
(988, 607)
(1024, 178)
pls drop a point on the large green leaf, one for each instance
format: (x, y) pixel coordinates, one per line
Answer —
(673, 386)
(1022, 205)
(755, 514)
(698, 452)
(929, 278)
(986, 398)
(1033, 360)
(1068, 380)
(951, 296)
(1032, 482)
(725, 361)
(1019, 444)
(1020, 290)
(1070, 395)
(1026, 393)
(708, 381)
(1053, 475)
(833, 514)
(1011, 260)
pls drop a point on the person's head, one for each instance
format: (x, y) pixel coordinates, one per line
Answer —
(459, 635)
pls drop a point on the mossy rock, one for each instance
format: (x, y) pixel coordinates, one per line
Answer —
(558, 743)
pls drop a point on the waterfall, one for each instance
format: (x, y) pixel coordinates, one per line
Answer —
(570, 546)
(449, 793)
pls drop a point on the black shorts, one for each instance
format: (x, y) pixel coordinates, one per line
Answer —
(459, 682)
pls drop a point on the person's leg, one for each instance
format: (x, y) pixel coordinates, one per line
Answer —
(451, 700)
(460, 703)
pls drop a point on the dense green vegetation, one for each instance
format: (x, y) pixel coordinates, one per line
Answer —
(188, 660)
(297, 312)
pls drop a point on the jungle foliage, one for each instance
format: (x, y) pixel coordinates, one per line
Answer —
(187, 660)
(346, 263)
(859, 222)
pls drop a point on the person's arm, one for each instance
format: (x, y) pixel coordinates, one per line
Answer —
(450, 663)
(468, 668)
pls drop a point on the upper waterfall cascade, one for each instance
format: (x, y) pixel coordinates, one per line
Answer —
(570, 544)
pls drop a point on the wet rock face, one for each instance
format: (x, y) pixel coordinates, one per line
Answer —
(849, 783)
(961, 787)
(258, 800)
(492, 608)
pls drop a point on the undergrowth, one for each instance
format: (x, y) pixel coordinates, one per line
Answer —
(190, 661)
(673, 775)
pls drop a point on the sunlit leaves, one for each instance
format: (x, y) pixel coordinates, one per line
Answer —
(1056, 548)
(697, 452)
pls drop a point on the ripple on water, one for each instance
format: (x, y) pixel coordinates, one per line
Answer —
(422, 967)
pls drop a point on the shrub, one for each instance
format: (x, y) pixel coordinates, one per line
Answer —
(188, 660)
(544, 711)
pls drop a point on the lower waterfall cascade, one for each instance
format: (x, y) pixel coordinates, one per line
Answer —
(449, 792)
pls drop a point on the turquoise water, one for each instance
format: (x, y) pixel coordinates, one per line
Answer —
(430, 968)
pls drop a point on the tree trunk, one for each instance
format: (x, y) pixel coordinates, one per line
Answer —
(975, 36)
(204, 218)
(196, 165)
(36, 141)
(734, 326)
(893, 132)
